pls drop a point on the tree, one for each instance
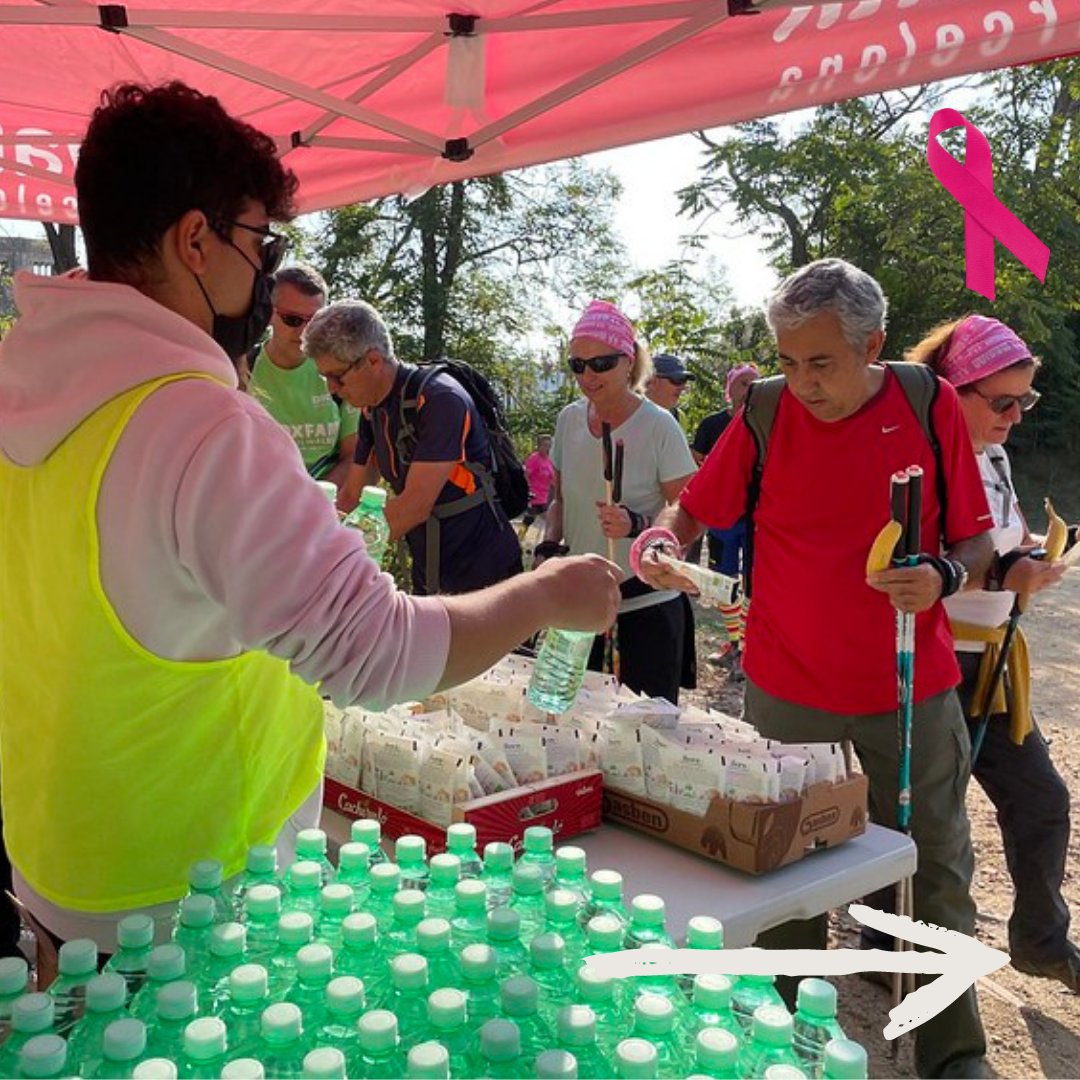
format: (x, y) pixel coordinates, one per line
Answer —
(62, 244)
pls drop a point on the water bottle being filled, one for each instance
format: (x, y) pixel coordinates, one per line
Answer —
(560, 669)
(370, 518)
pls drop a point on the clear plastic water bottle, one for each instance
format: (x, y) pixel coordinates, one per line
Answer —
(815, 1023)
(314, 970)
(370, 518)
(134, 941)
(195, 924)
(648, 916)
(520, 1002)
(345, 1004)
(400, 936)
(844, 1060)
(571, 869)
(123, 1045)
(354, 864)
(226, 954)
(444, 873)
(303, 883)
(260, 868)
(749, 993)
(177, 1006)
(479, 981)
(428, 1061)
(702, 932)
(311, 847)
(605, 898)
(361, 956)
(498, 874)
(468, 924)
(242, 1008)
(576, 1031)
(504, 936)
(281, 1040)
(206, 1045)
(166, 964)
(561, 908)
(499, 1052)
(381, 1056)
(447, 1022)
(539, 850)
(770, 1042)
(433, 944)
(784, 1072)
(710, 1006)
(368, 831)
(560, 669)
(324, 1063)
(295, 930)
(636, 1059)
(158, 1068)
(528, 899)
(408, 995)
(385, 879)
(243, 1069)
(666, 986)
(605, 934)
(547, 968)
(461, 841)
(78, 965)
(105, 997)
(43, 1057)
(654, 1020)
(335, 906)
(410, 853)
(599, 992)
(262, 909)
(716, 1052)
(205, 878)
(14, 979)
(556, 1065)
(32, 1014)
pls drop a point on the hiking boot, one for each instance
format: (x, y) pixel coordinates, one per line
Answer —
(727, 656)
(968, 1068)
(1066, 969)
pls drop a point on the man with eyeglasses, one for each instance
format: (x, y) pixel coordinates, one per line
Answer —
(289, 386)
(174, 584)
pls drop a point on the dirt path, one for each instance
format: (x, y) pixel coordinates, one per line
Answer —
(1033, 1025)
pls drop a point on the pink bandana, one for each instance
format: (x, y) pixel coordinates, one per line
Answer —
(605, 322)
(980, 347)
(735, 372)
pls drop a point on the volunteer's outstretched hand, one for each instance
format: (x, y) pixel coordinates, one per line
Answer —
(582, 591)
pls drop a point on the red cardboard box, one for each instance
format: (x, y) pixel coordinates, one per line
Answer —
(567, 805)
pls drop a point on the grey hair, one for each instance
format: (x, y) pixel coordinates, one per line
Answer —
(829, 285)
(345, 331)
(305, 279)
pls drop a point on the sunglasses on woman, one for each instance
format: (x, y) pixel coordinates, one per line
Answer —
(599, 364)
(294, 322)
(1002, 403)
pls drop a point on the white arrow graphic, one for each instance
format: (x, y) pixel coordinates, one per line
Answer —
(959, 960)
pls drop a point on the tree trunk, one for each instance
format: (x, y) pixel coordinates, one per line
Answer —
(62, 242)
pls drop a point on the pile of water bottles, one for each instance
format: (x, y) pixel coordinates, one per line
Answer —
(460, 965)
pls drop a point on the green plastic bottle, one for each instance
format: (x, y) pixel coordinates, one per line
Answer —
(815, 1023)
(369, 518)
(547, 968)
(498, 873)
(648, 916)
(381, 1055)
(281, 1040)
(354, 866)
(528, 899)
(605, 898)
(260, 868)
(156, 1068)
(166, 964)
(206, 878)
(428, 1061)
(177, 1006)
(576, 1031)
(784, 1072)
(408, 995)
(504, 936)
(539, 844)
(193, 930)
(654, 1020)
(604, 934)
(636, 1059)
(385, 880)
(468, 924)
(716, 1052)
(770, 1042)
(448, 1024)
(749, 993)
(311, 847)
(78, 965)
(123, 1047)
(600, 993)
(44, 1057)
(134, 941)
(556, 1065)
(295, 930)
(410, 853)
(844, 1060)
(335, 906)
(702, 932)
(666, 986)
(314, 970)
(433, 944)
(262, 909)
(520, 1001)
(243, 1069)
(206, 1045)
(461, 841)
(571, 872)
(345, 1004)
(444, 872)
(325, 1063)
(242, 1008)
(479, 981)
(361, 956)
(711, 1007)
(105, 996)
(368, 831)
(410, 907)
(303, 883)
(32, 1014)
(227, 953)
(14, 979)
(499, 1054)
(561, 910)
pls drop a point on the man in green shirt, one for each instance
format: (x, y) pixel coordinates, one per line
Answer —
(289, 386)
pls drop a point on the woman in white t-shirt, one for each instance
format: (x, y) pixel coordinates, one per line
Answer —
(655, 630)
(992, 369)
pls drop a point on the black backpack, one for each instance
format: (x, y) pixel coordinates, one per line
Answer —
(920, 386)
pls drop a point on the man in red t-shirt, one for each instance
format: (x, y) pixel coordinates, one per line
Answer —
(819, 654)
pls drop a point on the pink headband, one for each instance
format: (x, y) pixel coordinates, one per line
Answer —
(736, 372)
(980, 347)
(605, 322)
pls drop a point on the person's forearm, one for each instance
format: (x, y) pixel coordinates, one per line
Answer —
(977, 554)
(553, 530)
(339, 474)
(404, 513)
(682, 524)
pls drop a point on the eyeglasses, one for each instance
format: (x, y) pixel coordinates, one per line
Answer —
(1002, 403)
(599, 364)
(273, 246)
(294, 322)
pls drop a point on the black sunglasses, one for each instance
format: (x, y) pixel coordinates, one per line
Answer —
(599, 364)
(293, 321)
(273, 246)
(1002, 403)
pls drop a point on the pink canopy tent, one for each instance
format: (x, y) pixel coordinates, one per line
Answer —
(369, 97)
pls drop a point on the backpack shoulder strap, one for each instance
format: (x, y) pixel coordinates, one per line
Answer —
(759, 413)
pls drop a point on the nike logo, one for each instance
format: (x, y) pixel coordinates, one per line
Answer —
(886, 430)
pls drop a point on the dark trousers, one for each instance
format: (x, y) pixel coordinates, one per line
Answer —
(1032, 804)
(9, 917)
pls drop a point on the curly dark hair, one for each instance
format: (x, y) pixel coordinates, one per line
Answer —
(151, 154)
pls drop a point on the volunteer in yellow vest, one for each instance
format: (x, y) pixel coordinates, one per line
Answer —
(174, 584)
(993, 369)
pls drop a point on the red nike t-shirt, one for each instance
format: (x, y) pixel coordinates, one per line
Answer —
(817, 634)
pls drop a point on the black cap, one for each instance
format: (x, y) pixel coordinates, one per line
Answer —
(671, 367)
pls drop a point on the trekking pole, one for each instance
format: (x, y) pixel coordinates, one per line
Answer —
(996, 676)
(609, 478)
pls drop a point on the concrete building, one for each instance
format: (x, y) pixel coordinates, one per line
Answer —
(20, 253)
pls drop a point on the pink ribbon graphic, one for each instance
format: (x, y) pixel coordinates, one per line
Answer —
(986, 217)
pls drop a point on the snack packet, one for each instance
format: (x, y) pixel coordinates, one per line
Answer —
(443, 783)
(396, 765)
(695, 776)
(621, 757)
(524, 750)
(563, 748)
(488, 747)
(751, 778)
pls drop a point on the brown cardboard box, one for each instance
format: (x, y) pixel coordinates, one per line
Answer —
(751, 837)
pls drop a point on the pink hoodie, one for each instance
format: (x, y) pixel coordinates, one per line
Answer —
(214, 538)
